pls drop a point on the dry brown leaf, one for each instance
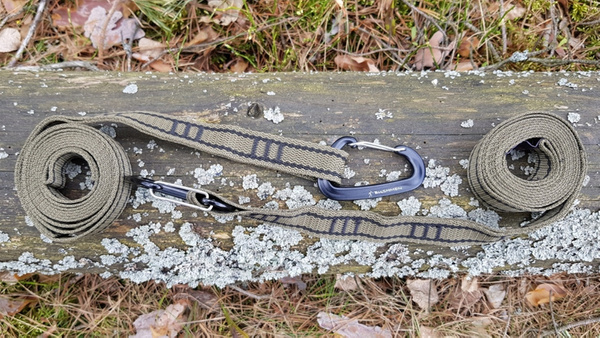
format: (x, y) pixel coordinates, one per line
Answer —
(431, 56)
(158, 65)
(545, 293)
(10, 40)
(345, 283)
(468, 294)
(12, 6)
(423, 292)
(350, 327)
(239, 66)
(9, 277)
(355, 63)
(463, 66)
(513, 11)
(115, 33)
(11, 306)
(495, 295)
(226, 11)
(206, 34)
(150, 48)
(300, 284)
(429, 332)
(467, 45)
(161, 66)
(76, 16)
(167, 322)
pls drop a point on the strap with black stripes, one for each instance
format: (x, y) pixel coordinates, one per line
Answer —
(57, 139)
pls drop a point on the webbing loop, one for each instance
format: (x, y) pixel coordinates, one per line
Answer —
(57, 139)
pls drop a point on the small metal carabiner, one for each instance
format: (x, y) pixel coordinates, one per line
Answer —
(375, 190)
(159, 188)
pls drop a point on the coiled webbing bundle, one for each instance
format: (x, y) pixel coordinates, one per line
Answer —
(56, 140)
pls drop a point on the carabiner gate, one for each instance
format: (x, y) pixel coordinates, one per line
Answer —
(375, 190)
(160, 190)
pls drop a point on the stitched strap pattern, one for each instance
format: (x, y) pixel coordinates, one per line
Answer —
(551, 189)
(58, 139)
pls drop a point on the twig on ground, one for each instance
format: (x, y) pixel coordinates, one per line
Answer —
(552, 313)
(503, 27)
(57, 66)
(427, 17)
(488, 43)
(554, 20)
(111, 12)
(522, 56)
(505, 334)
(398, 59)
(371, 52)
(11, 16)
(558, 330)
(25, 42)
(249, 294)
(558, 62)
(204, 45)
(544, 62)
(589, 23)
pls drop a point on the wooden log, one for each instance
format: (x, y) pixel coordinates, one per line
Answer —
(421, 110)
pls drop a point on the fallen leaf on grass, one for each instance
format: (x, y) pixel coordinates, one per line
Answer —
(227, 11)
(149, 50)
(432, 56)
(297, 280)
(10, 40)
(355, 63)
(423, 292)
(467, 45)
(545, 293)
(345, 283)
(12, 6)
(429, 332)
(239, 66)
(114, 33)
(77, 16)
(463, 66)
(204, 299)
(495, 295)
(10, 277)
(511, 11)
(11, 306)
(206, 34)
(346, 327)
(160, 323)
(468, 294)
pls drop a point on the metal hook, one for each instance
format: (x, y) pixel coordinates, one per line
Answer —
(381, 189)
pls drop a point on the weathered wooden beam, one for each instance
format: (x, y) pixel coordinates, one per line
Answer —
(421, 110)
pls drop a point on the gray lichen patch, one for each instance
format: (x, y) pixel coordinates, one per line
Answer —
(274, 115)
(207, 176)
(581, 243)
(250, 182)
(450, 185)
(268, 252)
(409, 206)
(4, 237)
(435, 175)
(295, 198)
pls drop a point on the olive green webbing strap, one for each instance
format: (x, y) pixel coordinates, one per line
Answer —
(551, 189)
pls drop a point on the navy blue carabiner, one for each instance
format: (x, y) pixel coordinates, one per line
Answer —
(376, 190)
